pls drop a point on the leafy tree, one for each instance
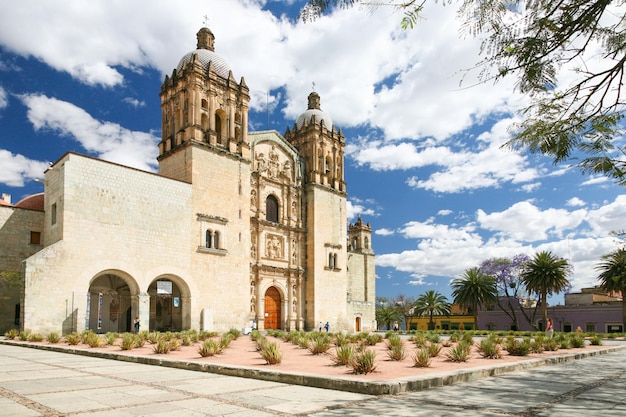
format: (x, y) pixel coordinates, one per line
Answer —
(474, 288)
(545, 275)
(612, 276)
(534, 41)
(386, 315)
(507, 273)
(404, 305)
(432, 303)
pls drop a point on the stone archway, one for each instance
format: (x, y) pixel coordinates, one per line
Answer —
(169, 305)
(357, 324)
(273, 316)
(110, 303)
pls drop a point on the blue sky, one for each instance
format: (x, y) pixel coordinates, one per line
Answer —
(424, 161)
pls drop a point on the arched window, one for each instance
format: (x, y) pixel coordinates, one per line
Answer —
(204, 104)
(331, 260)
(271, 209)
(355, 245)
(367, 243)
(216, 240)
(218, 128)
(209, 239)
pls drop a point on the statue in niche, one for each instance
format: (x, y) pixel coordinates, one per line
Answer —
(261, 163)
(295, 304)
(274, 248)
(253, 245)
(253, 303)
(274, 163)
(287, 169)
(294, 210)
(253, 198)
(294, 253)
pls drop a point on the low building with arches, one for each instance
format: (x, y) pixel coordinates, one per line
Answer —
(237, 229)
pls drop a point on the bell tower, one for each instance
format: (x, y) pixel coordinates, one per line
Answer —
(202, 104)
(324, 202)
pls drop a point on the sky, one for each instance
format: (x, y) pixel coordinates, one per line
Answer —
(424, 159)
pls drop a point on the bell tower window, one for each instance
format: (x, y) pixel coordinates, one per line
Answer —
(271, 209)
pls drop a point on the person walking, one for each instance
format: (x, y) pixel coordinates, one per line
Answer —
(549, 328)
(327, 326)
(137, 324)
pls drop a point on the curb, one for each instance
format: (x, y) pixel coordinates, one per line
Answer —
(390, 387)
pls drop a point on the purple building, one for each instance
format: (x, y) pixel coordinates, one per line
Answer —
(591, 310)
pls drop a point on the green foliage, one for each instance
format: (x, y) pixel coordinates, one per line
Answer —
(54, 337)
(419, 339)
(577, 342)
(35, 337)
(364, 362)
(271, 353)
(110, 338)
(73, 339)
(430, 304)
(517, 347)
(174, 344)
(344, 354)
(595, 340)
(473, 289)
(92, 339)
(396, 352)
(422, 358)
(341, 339)
(459, 353)
(612, 275)
(24, 335)
(129, 341)
(488, 348)
(12, 334)
(235, 333)
(433, 349)
(320, 343)
(162, 346)
(255, 335)
(210, 347)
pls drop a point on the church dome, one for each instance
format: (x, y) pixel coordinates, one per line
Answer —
(314, 113)
(206, 54)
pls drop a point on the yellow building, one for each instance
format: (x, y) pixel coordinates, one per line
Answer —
(460, 318)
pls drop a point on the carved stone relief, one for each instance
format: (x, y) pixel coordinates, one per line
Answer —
(274, 246)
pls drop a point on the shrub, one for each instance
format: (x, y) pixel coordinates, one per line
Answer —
(210, 348)
(550, 345)
(128, 341)
(110, 338)
(595, 340)
(23, 335)
(419, 339)
(517, 347)
(272, 354)
(467, 337)
(341, 339)
(393, 341)
(433, 337)
(53, 337)
(434, 349)
(396, 353)
(320, 343)
(93, 340)
(154, 338)
(226, 339)
(343, 354)
(364, 362)
(577, 341)
(537, 345)
(421, 358)
(235, 333)
(186, 340)
(12, 334)
(373, 338)
(488, 348)
(174, 344)
(73, 339)
(255, 335)
(35, 337)
(303, 339)
(162, 346)
(459, 353)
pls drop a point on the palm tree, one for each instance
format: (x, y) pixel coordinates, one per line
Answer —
(613, 275)
(387, 315)
(474, 289)
(432, 303)
(544, 275)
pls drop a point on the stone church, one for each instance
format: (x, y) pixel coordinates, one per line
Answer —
(238, 229)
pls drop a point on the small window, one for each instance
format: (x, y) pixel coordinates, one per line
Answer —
(205, 105)
(208, 239)
(216, 240)
(590, 327)
(271, 209)
(331, 260)
(35, 238)
(53, 214)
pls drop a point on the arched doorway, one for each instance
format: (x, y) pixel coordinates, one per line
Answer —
(166, 306)
(272, 309)
(357, 324)
(109, 304)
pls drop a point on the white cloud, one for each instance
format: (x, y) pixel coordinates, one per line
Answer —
(575, 202)
(108, 141)
(18, 168)
(4, 99)
(134, 102)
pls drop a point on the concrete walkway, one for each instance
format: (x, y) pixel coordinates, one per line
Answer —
(47, 383)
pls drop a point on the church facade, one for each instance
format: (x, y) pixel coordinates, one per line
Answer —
(238, 229)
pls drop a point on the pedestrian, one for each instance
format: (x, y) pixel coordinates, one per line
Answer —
(396, 326)
(327, 326)
(549, 328)
(137, 324)
(319, 329)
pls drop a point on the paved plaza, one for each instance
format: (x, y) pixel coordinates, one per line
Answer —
(45, 383)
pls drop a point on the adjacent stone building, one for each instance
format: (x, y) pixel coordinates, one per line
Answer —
(238, 229)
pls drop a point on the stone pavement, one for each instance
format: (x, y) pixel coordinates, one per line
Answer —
(47, 383)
